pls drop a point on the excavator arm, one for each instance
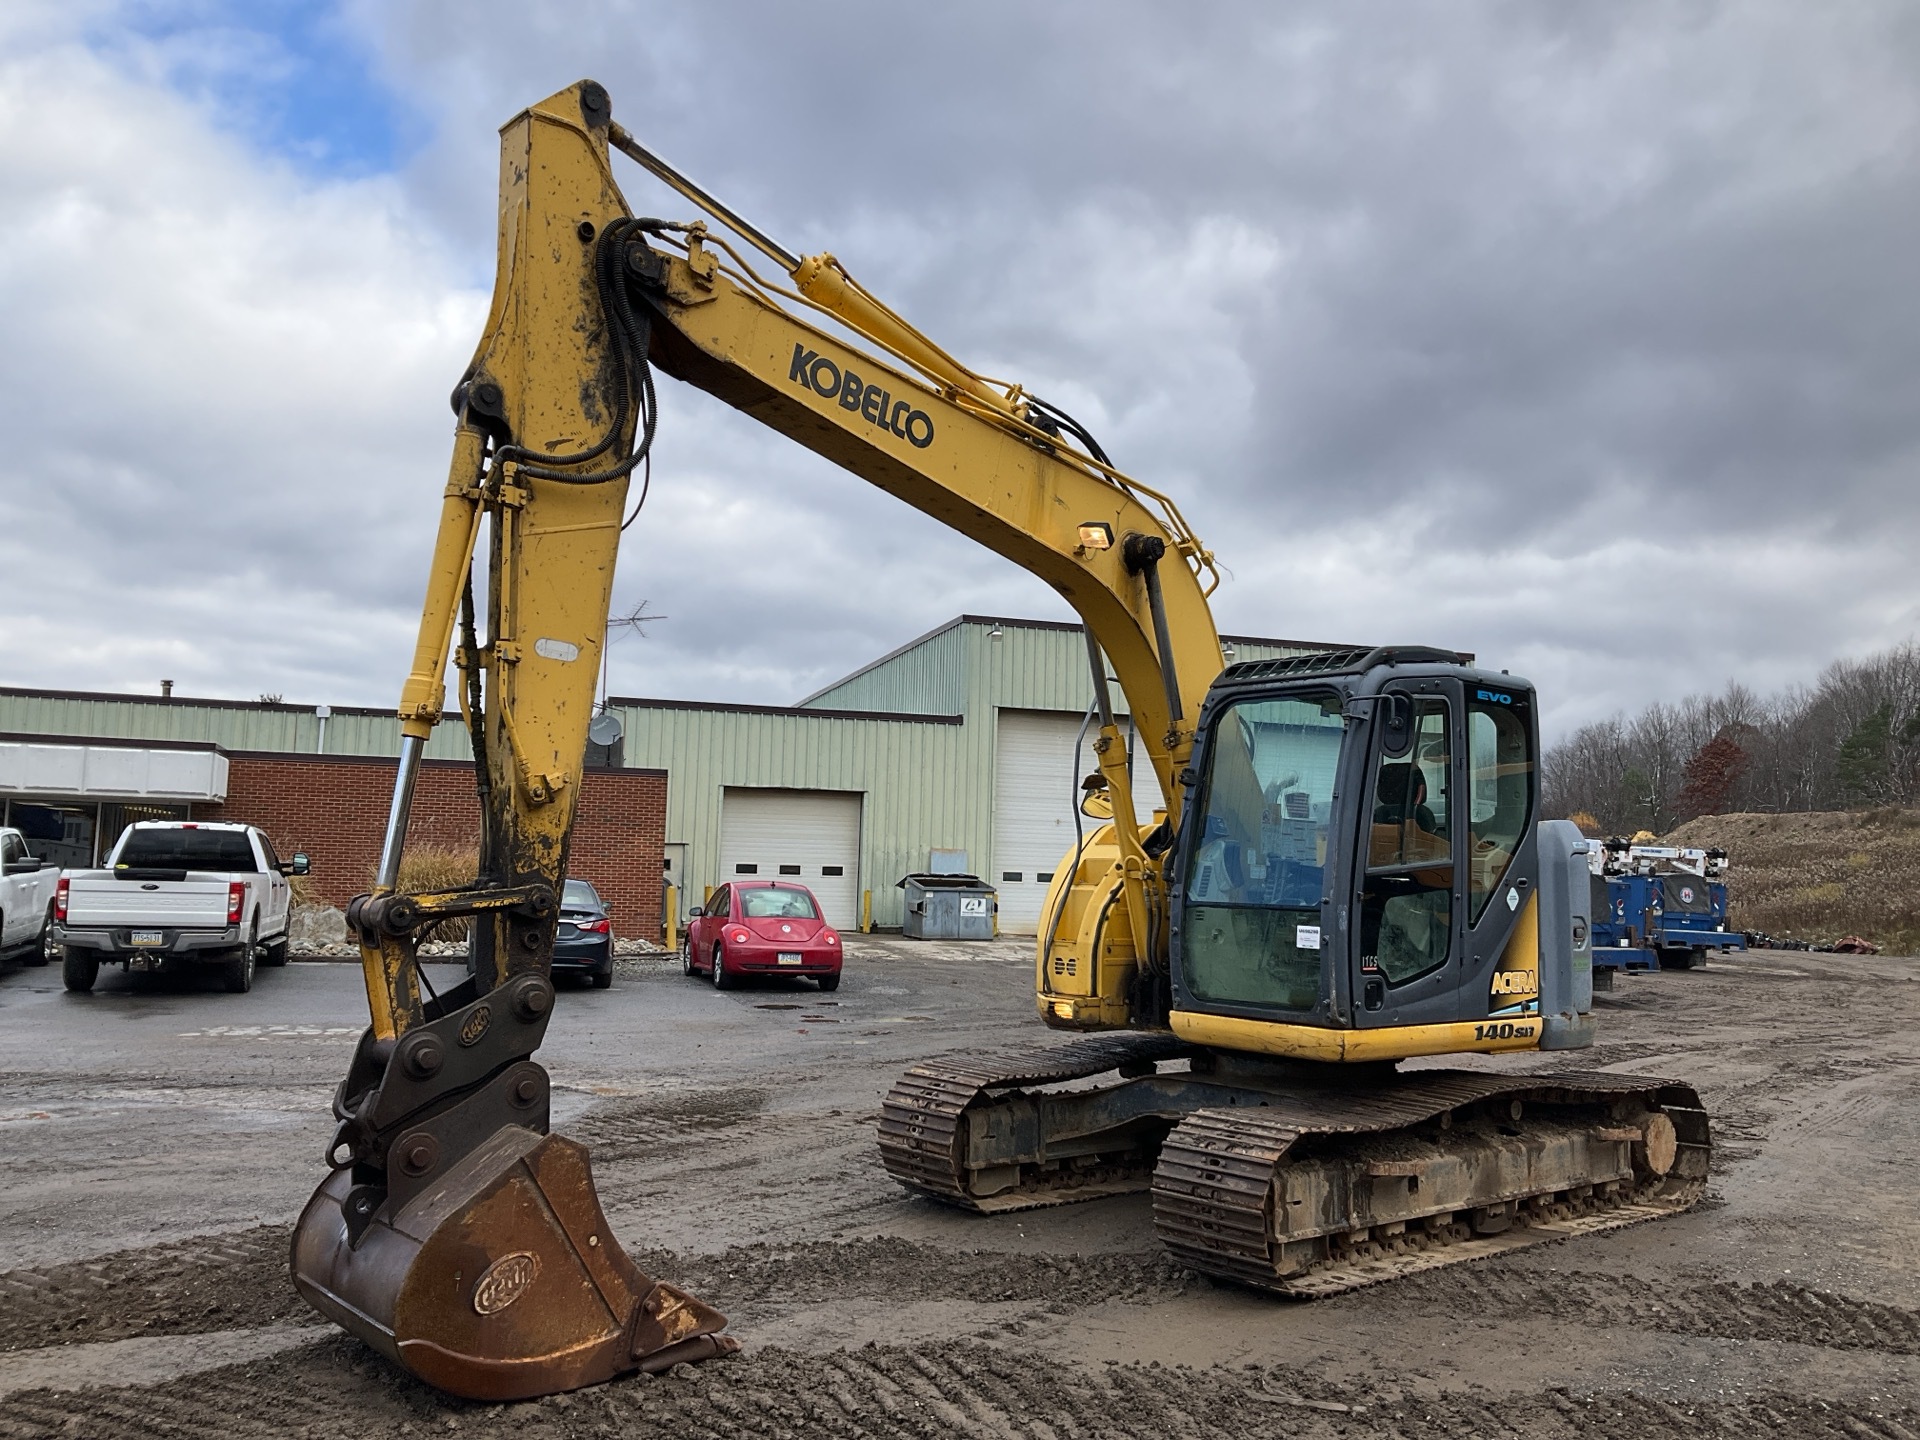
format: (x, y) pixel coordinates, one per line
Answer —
(454, 1233)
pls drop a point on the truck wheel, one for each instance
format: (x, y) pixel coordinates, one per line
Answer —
(38, 954)
(1680, 959)
(79, 970)
(239, 971)
(275, 954)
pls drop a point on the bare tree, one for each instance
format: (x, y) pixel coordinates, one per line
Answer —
(1850, 740)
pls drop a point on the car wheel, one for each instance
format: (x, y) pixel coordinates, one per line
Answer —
(829, 982)
(79, 970)
(720, 978)
(603, 979)
(41, 953)
(239, 971)
(686, 954)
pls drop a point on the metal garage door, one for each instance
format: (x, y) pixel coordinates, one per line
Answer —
(1035, 787)
(812, 836)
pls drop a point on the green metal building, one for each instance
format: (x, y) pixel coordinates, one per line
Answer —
(955, 751)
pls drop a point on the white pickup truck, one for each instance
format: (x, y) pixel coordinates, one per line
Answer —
(177, 893)
(26, 899)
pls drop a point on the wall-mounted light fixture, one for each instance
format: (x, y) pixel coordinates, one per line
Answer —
(994, 634)
(1226, 651)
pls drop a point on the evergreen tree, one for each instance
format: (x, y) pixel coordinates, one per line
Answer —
(1861, 766)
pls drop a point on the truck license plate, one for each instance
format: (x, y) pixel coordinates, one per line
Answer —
(148, 937)
(788, 957)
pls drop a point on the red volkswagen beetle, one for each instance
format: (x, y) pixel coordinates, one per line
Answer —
(761, 927)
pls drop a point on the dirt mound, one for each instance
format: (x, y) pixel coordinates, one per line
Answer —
(635, 1129)
(187, 1287)
(1820, 875)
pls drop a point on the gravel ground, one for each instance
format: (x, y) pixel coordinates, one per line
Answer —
(155, 1145)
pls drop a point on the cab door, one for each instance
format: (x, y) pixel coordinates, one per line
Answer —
(1498, 798)
(1409, 905)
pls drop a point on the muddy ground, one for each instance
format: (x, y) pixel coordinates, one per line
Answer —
(155, 1145)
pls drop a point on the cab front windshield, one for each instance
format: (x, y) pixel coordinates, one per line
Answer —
(1254, 880)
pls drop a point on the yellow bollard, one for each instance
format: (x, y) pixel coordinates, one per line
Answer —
(670, 916)
(866, 912)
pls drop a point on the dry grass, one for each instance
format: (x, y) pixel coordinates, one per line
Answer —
(425, 869)
(1822, 875)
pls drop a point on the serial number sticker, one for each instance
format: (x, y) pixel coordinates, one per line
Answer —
(1505, 1030)
(1306, 937)
(788, 957)
(148, 937)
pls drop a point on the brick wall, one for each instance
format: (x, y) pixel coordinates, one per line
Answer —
(335, 809)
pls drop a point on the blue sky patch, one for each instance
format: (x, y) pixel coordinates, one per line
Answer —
(294, 78)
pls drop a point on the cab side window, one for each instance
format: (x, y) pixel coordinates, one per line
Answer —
(1406, 911)
(1500, 787)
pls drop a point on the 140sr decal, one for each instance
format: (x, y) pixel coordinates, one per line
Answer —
(1504, 1030)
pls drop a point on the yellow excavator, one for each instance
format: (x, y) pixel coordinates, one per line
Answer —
(1347, 870)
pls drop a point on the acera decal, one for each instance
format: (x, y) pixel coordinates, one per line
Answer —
(815, 372)
(1514, 982)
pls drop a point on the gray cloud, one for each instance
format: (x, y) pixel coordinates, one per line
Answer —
(1581, 337)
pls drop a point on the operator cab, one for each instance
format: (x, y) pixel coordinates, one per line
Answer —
(1358, 848)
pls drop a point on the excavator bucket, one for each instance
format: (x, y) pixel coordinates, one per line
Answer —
(501, 1281)
(453, 1233)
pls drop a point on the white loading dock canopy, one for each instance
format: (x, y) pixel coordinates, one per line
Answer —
(809, 836)
(1036, 787)
(111, 772)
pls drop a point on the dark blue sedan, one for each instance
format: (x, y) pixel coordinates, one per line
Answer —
(583, 944)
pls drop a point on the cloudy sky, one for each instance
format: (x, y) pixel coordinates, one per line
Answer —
(1583, 337)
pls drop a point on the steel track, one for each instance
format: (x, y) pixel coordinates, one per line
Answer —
(1215, 1174)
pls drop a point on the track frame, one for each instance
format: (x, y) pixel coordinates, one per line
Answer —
(1299, 1179)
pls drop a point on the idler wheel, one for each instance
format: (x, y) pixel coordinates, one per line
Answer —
(1654, 1151)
